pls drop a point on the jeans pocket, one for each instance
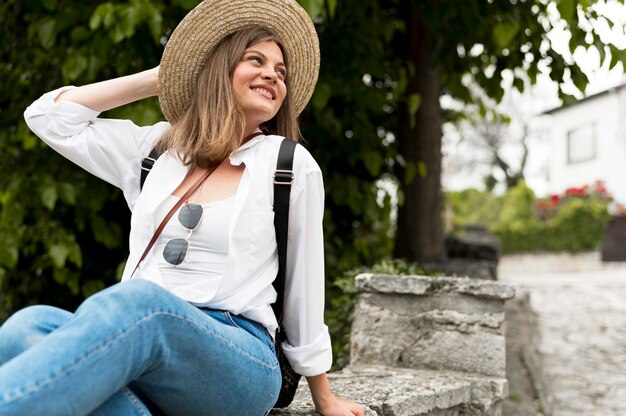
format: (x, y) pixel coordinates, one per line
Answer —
(253, 328)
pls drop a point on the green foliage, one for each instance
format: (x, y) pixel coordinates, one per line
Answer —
(517, 205)
(472, 206)
(578, 224)
(64, 232)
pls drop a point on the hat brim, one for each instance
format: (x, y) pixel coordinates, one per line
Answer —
(204, 27)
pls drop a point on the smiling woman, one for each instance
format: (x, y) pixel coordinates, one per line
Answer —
(190, 329)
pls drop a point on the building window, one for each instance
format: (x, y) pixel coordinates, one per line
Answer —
(581, 144)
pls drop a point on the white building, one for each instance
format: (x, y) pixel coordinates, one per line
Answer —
(587, 143)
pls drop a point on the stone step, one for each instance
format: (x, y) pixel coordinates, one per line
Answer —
(406, 392)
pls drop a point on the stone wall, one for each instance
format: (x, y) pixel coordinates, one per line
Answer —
(432, 322)
(423, 346)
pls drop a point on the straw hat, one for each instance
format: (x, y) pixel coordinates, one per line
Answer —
(211, 21)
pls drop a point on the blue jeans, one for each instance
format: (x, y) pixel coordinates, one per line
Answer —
(135, 340)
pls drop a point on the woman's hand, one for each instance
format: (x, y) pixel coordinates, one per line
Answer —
(336, 406)
(326, 403)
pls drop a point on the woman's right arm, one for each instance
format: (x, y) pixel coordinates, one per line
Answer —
(67, 119)
(105, 95)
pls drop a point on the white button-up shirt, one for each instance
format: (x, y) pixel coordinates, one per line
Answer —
(113, 149)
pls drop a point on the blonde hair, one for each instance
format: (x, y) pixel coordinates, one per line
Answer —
(213, 125)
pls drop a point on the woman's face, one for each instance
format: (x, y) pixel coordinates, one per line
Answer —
(259, 83)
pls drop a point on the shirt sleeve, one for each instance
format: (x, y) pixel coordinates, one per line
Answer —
(110, 149)
(308, 346)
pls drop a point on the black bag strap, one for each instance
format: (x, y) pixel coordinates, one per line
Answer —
(283, 178)
(146, 165)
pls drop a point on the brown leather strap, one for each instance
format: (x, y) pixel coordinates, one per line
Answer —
(180, 202)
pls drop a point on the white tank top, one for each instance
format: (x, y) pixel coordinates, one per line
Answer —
(208, 245)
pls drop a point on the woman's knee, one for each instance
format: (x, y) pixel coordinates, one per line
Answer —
(27, 327)
(126, 299)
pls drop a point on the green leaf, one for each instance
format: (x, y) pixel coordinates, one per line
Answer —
(46, 33)
(155, 22)
(567, 9)
(30, 141)
(187, 4)
(91, 287)
(332, 5)
(373, 162)
(615, 56)
(504, 33)
(102, 15)
(323, 92)
(600, 47)
(9, 255)
(74, 66)
(75, 253)
(50, 5)
(108, 234)
(422, 169)
(410, 171)
(80, 33)
(117, 34)
(58, 253)
(579, 78)
(68, 279)
(413, 104)
(314, 8)
(130, 17)
(49, 196)
(67, 193)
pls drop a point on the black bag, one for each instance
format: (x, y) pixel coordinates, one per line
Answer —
(283, 178)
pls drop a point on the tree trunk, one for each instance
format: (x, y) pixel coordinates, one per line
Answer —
(419, 235)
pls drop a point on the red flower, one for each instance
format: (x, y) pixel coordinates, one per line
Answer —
(554, 199)
(576, 191)
(601, 188)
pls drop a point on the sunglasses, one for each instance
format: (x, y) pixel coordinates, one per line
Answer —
(176, 249)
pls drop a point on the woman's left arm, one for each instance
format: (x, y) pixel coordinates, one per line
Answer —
(308, 347)
(327, 403)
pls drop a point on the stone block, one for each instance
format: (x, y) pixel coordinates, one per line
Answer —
(399, 392)
(476, 269)
(422, 285)
(476, 243)
(423, 322)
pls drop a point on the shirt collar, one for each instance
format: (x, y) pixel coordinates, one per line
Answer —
(236, 157)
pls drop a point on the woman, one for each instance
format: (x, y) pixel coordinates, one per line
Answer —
(190, 328)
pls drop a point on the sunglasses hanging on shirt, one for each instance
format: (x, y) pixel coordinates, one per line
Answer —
(176, 249)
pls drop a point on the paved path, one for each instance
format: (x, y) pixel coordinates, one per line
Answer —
(582, 320)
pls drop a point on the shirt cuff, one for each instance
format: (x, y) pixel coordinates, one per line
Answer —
(65, 118)
(311, 359)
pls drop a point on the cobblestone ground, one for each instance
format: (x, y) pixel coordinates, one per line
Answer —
(582, 321)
